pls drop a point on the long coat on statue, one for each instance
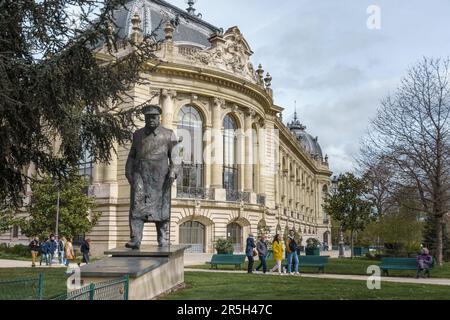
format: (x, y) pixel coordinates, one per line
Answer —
(152, 159)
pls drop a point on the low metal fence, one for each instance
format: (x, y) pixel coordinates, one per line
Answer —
(23, 289)
(116, 289)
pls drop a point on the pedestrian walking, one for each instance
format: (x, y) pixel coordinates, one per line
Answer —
(261, 247)
(85, 248)
(250, 252)
(61, 250)
(34, 248)
(291, 249)
(70, 254)
(277, 249)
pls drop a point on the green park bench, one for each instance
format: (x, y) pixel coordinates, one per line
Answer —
(313, 261)
(227, 259)
(400, 264)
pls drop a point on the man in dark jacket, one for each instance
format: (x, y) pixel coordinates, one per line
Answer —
(44, 249)
(53, 246)
(249, 252)
(261, 247)
(85, 247)
(34, 247)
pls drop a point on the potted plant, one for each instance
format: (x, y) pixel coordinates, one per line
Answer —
(312, 247)
(224, 246)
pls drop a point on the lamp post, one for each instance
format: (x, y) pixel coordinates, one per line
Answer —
(58, 192)
(335, 184)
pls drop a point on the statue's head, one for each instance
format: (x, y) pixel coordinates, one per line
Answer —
(152, 116)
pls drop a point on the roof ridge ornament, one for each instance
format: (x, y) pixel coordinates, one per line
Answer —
(191, 9)
(296, 124)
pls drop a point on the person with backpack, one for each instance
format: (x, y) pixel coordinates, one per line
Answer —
(44, 252)
(291, 250)
(34, 248)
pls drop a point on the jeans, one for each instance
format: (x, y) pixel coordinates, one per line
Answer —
(251, 260)
(45, 257)
(62, 257)
(262, 264)
(293, 255)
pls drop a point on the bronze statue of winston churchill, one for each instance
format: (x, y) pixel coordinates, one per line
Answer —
(151, 169)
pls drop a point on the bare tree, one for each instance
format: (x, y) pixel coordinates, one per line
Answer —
(378, 175)
(411, 134)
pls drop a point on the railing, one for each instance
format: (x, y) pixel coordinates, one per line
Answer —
(116, 289)
(261, 199)
(22, 289)
(194, 193)
(187, 51)
(237, 196)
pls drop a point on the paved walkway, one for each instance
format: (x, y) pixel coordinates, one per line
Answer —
(24, 264)
(436, 281)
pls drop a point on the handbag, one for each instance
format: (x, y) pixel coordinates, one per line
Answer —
(255, 252)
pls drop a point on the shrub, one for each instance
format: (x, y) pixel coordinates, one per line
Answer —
(224, 246)
(312, 243)
(18, 250)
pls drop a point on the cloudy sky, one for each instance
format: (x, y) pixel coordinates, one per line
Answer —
(322, 54)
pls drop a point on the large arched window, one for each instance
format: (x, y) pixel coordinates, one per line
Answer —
(193, 233)
(190, 127)
(86, 165)
(234, 234)
(230, 173)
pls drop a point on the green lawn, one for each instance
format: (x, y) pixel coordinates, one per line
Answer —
(228, 286)
(357, 266)
(54, 279)
(10, 256)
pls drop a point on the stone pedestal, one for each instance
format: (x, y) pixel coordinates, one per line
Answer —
(151, 270)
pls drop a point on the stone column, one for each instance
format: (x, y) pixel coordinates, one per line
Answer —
(97, 173)
(168, 106)
(110, 170)
(207, 156)
(262, 164)
(217, 149)
(248, 171)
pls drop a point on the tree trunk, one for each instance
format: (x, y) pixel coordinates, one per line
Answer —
(439, 241)
(351, 244)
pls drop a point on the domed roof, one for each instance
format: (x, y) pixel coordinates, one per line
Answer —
(310, 144)
(190, 28)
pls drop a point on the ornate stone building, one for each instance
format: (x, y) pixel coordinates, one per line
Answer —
(242, 167)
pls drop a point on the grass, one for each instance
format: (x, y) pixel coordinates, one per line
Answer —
(11, 256)
(357, 266)
(54, 279)
(228, 286)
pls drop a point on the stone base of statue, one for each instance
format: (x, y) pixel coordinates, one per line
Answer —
(152, 270)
